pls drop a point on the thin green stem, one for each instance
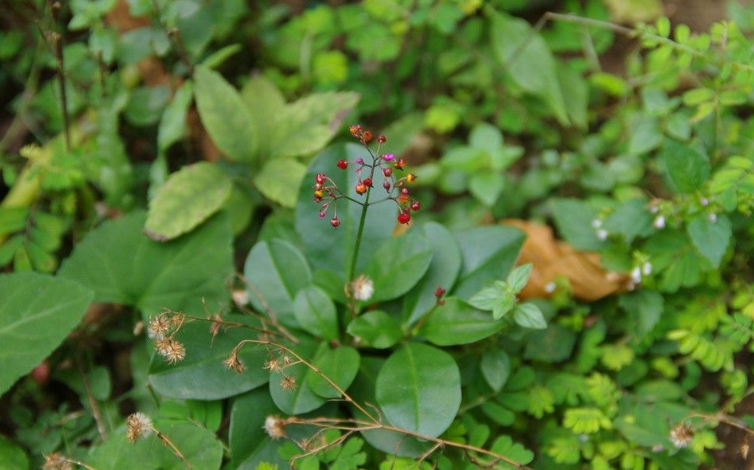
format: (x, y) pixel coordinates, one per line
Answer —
(357, 246)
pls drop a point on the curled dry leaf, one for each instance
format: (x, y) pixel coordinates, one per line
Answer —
(552, 258)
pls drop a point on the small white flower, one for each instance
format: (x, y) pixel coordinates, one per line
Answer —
(602, 234)
(550, 287)
(646, 268)
(636, 275)
(654, 209)
(704, 201)
(659, 222)
(681, 436)
(596, 223)
(363, 288)
(712, 218)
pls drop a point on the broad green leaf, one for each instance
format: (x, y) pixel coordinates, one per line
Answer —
(122, 265)
(376, 329)
(496, 367)
(198, 445)
(36, 314)
(487, 187)
(249, 444)
(278, 177)
(645, 135)
(188, 198)
(363, 391)
(685, 167)
(575, 95)
(301, 398)
(173, 122)
(316, 313)
(551, 345)
(307, 125)
(533, 67)
(419, 389)
(710, 237)
(274, 272)
(12, 456)
(457, 322)
(329, 248)
(442, 272)
(529, 315)
(224, 115)
(645, 307)
(398, 265)
(487, 253)
(630, 219)
(264, 102)
(202, 374)
(339, 364)
(574, 221)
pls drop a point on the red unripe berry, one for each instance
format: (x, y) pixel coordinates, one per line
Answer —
(367, 136)
(400, 163)
(335, 221)
(354, 129)
(387, 172)
(361, 188)
(342, 164)
(320, 178)
(368, 182)
(322, 214)
(386, 185)
(404, 217)
(411, 178)
(381, 139)
(403, 197)
(41, 373)
(415, 206)
(439, 292)
(318, 187)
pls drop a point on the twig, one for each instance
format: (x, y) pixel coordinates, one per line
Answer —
(174, 35)
(267, 310)
(92, 402)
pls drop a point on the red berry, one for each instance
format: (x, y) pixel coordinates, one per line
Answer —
(354, 129)
(387, 172)
(320, 178)
(41, 373)
(386, 185)
(404, 217)
(368, 182)
(361, 188)
(400, 163)
(342, 164)
(335, 221)
(415, 206)
(381, 139)
(367, 136)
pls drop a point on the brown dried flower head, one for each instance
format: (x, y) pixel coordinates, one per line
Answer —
(681, 436)
(273, 365)
(159, 327)
(288, 382)
(274, 427)
(233, 363)
(138, 425)
(56, 461)
(170, 349)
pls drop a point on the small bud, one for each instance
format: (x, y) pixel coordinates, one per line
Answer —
(342, 164)
(367, 136)
(368, 182)
(354, 129)
(318, 193)
(322, 214)
(387, 172)
(318, 187)
(596, 223)
(388, 157)
(335, 222)
(403, 197)
(361, 188)
(381, 139)
(360, 161)
(659, 222)
(646, 268)
(636, 275)
(400, 164)
(439, 292)
(404, 217)
(704, 202)
(411, 178)
(386, 185)
(712, 218)
(415, 206)
(602, 234)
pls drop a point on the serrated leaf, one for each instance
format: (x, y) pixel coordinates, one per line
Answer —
(189, 197)
(224, 115)
(573, 219)
(518, 277)
(710, 237)
(419, 389)
(122, 265)
(36, 314)
(685, 166)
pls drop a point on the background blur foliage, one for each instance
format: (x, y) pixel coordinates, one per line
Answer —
(607, 145)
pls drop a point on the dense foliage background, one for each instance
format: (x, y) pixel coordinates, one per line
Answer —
(170, 296)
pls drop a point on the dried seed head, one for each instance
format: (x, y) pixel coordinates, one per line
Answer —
(170, 349)
(288, 382)
(56, 461)
(233, 363)
(138, 425)
(681, 436)
(240, 297)
(274, 427)
(159, 326)
(273, 365)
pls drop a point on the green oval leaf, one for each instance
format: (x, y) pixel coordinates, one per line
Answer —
(275, 271)
(249, 444)
(419, 389)
(224, 115)
(398, 265)
(277, 177)
(488, 253)
(189, 197)
(376, 329)
(339, 364)
(710, 237)
(202, 374)
(529, 315)
(301, 398)
(457, 322)
(122, 265)
(316, 313)
(496, 367)
(443, 271)
(36, 314)
(13, 456)
(685, 166)
(329, 248)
